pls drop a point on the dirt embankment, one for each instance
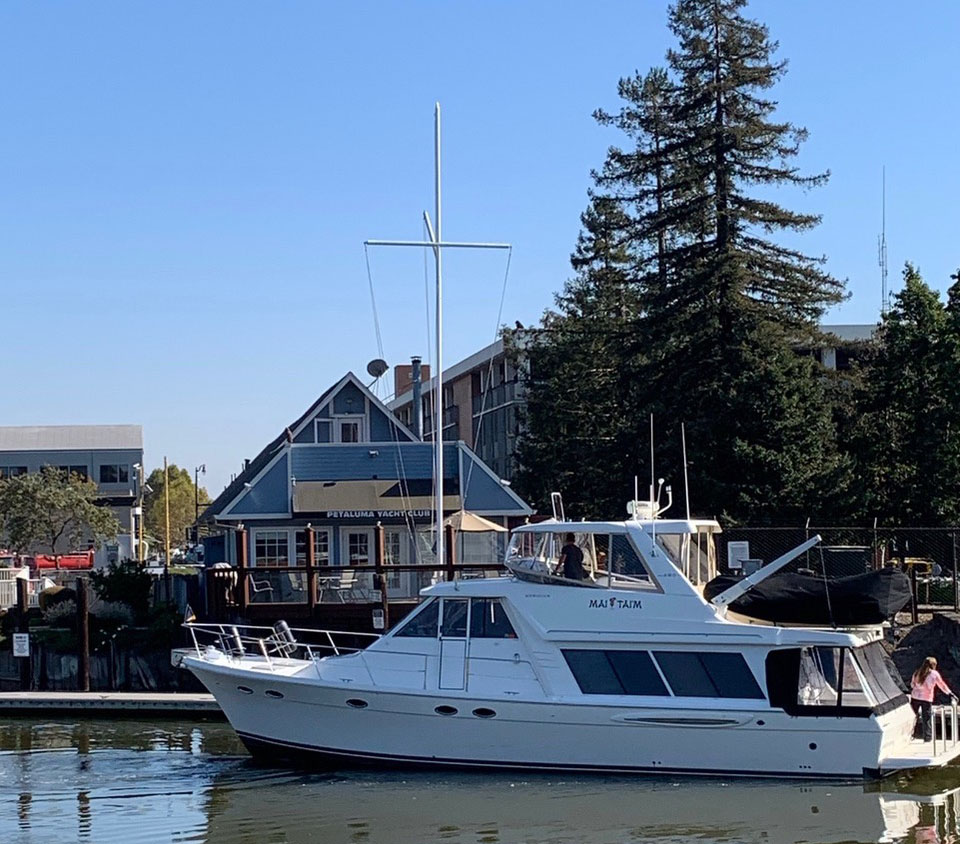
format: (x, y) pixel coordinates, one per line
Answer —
(936, 635)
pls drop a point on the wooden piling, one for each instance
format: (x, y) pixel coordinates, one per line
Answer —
(83, 633)
(23, 626)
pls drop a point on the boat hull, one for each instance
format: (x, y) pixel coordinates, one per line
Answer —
(303, 719)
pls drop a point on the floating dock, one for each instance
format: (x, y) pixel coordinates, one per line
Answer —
(175, 704)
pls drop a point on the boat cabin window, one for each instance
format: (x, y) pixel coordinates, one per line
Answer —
(624, 559)
(448, 616)
(694, 554)
(454, 622)
(692, 674)
(489, 621)
(687, 673)
(422, 624)
(615, 673)
(821, 681)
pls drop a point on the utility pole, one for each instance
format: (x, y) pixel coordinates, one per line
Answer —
(435, 242)
(201, 469)
(166, 509)
(139, 468)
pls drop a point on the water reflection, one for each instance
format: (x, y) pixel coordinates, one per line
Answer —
(135, 781)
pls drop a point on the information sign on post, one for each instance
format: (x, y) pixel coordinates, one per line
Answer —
(21, 644)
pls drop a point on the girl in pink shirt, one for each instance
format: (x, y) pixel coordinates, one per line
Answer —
(924, 683)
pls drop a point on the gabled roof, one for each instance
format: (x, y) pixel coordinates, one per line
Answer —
(236, 486)
(71, 437)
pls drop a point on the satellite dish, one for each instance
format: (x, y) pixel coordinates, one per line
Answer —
(377, 367)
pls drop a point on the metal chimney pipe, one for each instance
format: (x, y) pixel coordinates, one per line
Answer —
(417, 417)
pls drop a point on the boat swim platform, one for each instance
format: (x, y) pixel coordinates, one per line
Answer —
(112, 704)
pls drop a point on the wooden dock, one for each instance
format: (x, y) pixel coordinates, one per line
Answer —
(172, 704)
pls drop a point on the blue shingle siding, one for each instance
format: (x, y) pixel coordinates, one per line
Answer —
(484, 493)
(306, 435)
(383, 429)
(271, 494)
(349, 400)
(355, 462)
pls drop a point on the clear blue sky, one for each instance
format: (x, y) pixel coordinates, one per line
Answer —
(185, 187)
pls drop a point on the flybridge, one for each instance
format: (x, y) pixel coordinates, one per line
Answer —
(668, 556)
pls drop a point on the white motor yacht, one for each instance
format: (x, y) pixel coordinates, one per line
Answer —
(628, 670)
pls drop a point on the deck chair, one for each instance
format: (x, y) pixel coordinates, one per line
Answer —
(349, 586)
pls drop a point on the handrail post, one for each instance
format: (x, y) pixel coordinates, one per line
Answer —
(83, 627)
(311, 571)
(243, 590)
(451, 553)
(23, 626)
(379, 558)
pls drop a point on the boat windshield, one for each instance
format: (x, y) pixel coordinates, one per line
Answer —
(603, 554)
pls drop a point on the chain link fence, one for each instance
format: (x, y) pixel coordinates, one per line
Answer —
(928, 555)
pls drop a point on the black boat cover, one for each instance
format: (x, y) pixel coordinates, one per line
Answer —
(803, 599)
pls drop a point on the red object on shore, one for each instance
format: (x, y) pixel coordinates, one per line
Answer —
(63, 561)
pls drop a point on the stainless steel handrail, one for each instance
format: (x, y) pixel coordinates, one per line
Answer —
(940, 713)
(236, 640)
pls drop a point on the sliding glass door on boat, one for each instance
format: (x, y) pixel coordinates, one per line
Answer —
(453, 643)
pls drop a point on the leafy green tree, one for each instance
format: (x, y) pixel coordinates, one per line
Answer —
(182, 504)
(55, 512)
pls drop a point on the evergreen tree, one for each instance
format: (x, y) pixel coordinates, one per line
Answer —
(726, 324)
(907, 437)
(580, 377)
(719, 303)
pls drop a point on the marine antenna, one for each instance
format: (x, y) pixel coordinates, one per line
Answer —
(882, 250)
(652, 473)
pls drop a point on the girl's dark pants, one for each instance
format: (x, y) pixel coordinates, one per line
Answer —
(924, 712)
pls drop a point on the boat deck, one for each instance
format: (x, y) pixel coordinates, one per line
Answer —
(920, 754)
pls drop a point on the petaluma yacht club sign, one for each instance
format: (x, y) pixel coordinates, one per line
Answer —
(376, 514)
(358, 499)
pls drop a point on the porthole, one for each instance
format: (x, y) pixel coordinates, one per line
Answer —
(483, 712)
(356, 703)
(274, 694)
(813, 745)
(445, 710)
(245, 690)
(761, 722)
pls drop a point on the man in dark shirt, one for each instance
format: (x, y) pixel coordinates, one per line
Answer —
(571, 559)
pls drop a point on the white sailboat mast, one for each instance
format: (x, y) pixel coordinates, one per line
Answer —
(437, 244)
(438, 395)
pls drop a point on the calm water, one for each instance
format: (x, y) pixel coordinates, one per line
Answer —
(135, 781)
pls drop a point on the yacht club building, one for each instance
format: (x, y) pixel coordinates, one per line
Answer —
(343, 490)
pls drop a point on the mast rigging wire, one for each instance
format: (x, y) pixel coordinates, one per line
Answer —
(373, 301)
(486, 387)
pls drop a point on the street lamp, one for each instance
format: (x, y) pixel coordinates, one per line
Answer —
(200, 470)
(141, 488)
